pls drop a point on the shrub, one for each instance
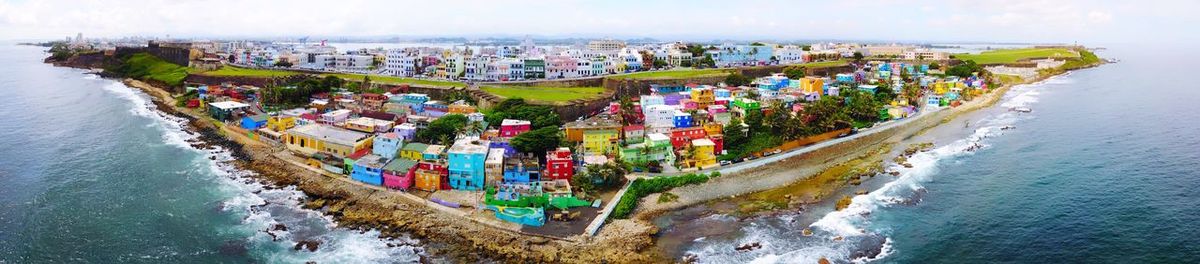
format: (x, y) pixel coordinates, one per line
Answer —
(640, 188)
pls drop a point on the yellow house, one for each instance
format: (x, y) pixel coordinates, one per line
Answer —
(413, 151)
(812, 85)
(703, 97)
(281, 123)
(600, 141)
(941, 87)
(712, 128)
(703, 157)
(461, 107)
(314, 138)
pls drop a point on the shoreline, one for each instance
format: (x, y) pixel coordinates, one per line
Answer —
(360, 208)
(855, 163)
(622, 240)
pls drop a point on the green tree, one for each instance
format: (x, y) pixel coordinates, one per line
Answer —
(934, 65)
(332, 82)
(283, 64)
(443, 128)
(964, 70)
(708, 61)
(794, 71)
(537, 141)
(858, 56)
(658, 63)
(685, 63)
(737, 79)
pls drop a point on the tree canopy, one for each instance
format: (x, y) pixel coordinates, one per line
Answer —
(537, 141)
(442, 129)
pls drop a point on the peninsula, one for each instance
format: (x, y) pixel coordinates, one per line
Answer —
(534, 153)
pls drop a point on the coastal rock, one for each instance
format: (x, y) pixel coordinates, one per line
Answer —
(310, 245)
(748, 247)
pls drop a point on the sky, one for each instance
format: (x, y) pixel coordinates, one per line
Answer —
(1019, 21)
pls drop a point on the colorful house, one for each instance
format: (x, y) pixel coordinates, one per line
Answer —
(407, 131)
(254, 122)
(434, 152)
(812, 85)
(369, 125)
(225, 110)
(703, 96)
(413, 151)
(335, 117)
(387, 145)
(681, 119)
(681, 137)
(574, 130)
(322, 138)
(281, 122)
(461, 107)
(399, 174)
(510, 128)
(743, 106)
(493, 167)
(466, 164)
(559, 164)
(369, 169)
(657, 147)
(600, 142)
(522, 169)
(702, 154)
(429, 175)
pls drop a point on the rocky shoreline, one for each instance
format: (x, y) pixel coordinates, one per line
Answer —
(356, 207)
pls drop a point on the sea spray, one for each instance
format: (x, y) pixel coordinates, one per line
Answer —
(273, 218)
(848, 236)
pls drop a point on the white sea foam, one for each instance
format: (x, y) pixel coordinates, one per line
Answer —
(839, 234)
(263, 208)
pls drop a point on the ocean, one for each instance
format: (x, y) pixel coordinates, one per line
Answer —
(1103, 170)
(90, 172)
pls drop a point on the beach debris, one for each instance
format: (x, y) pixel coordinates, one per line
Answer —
(1021, 109)
(689, 258)
(823, 260)
(806, 232)
(838, 238)
(1008, 127)
(860, 192)
(748, 246)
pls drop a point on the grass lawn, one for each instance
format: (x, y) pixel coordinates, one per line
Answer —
(824, 64)
(1014, 55)
(146, 66)
(671, 74)
(396, 80)
(544, 93)
(1008, 79)
(236, 71)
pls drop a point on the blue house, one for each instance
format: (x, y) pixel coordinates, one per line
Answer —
(387, 145)
(369, 169)
(467, 157)
(255, 121)
(934, 100)
(522, 169)
(845, 78)
(682, 119)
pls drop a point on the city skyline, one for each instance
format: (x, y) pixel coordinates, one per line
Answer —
(1032, 21)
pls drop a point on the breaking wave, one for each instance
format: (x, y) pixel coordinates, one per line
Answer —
(848, 236)
(273, 218)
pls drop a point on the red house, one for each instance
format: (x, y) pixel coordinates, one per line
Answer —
(559, 165)
(511, 127)
(681, 137)
(399, 174)
(719, 143)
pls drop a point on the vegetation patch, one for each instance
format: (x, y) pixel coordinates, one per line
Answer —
(149, 67)
(395, 80)
(544, 93)
(643, 187)
(1015, 55)
(674, 74)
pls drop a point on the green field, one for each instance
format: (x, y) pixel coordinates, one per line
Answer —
(824, 64)
(672, 74)
(543, 93)
(1014, 55)
(1007, 79)
(246, 72)
(396, 80)
(148, 67)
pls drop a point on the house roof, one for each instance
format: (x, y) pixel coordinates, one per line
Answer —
(371, 161)
(228, 105)
(259, 117)
(414, 146)
(399, 165)
(330, 134)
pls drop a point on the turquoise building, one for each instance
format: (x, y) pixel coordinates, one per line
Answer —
(466, 164)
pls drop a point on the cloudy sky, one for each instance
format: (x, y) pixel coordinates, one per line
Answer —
(1060, 21)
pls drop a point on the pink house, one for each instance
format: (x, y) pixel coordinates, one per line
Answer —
(512, 127)
(688, 104)
(399, 174)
